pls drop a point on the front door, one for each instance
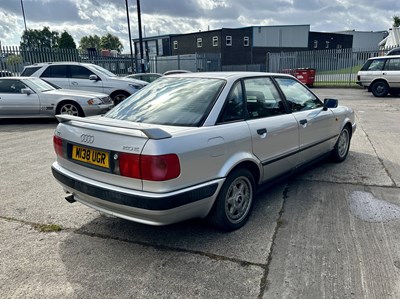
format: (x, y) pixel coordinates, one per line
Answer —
(317, 128)
(14, 103)
(274, 133)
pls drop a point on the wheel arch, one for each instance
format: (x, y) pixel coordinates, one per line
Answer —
(377, 80)
(250, 166)
(119, 91)
(66, 101)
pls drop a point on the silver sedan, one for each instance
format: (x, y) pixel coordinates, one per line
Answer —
(196, 145)
(33, 97)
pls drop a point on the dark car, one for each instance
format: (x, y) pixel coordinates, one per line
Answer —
(394, 51)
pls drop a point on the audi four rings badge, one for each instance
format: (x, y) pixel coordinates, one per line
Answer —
(87, 138)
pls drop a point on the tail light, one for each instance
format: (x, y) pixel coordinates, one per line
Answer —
(150, 168)
(58, 146)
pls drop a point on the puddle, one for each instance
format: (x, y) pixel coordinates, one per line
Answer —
(367, 207)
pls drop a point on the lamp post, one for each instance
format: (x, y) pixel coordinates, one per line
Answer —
(140, 35)
(23, 14)
(129, 32)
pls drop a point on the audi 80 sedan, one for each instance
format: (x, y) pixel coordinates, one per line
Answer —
(197, 145)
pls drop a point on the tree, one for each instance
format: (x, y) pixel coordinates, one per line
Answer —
(66, 41)
(396, 21)
(111, 42)
(91, 41)
(34, 38)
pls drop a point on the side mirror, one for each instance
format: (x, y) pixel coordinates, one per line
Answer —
(26, 91)
(330, 103)
(93, 77)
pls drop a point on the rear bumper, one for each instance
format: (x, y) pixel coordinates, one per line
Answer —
(143, 207)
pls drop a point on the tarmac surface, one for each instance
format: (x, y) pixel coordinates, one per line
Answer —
(329, 232)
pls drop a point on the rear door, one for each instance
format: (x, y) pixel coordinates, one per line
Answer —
(56, 74)
(13, 102)
(392, 72)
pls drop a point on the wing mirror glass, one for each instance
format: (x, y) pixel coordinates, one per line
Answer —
(26, 91)
(93, 77)
(330, 103)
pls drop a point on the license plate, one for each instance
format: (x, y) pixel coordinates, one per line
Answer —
(90, 156)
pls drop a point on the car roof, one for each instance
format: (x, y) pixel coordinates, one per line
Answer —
(384, 57)
(40, 64)
(227, 75)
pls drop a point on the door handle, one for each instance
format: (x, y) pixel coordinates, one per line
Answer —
(262, 131)
(74, 83)
(303, 122)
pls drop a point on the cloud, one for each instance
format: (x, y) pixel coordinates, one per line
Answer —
(89, 17)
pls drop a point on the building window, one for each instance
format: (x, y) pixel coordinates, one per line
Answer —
(199, 42)
(327, 44)
(215, 41)
(175, 45)
(315, 44)
(229, 40)
(246, 41)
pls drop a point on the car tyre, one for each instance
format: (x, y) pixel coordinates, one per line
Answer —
(70, 108)
(119, 96)
(380, 89)
(234, 203)
(342, 146)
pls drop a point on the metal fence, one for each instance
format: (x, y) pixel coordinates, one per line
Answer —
(14, 59)
(336, 67)
(190, 62)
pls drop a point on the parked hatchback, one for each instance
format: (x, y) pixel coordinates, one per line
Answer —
(85, 76)
(381, 75)
(197, 144)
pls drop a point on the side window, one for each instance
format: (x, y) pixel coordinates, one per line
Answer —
(55, 71)
(298, 97)
(376, 65)
(262, 98)
(29, 71)
(11, 86)
(80, 72)
(393, 64)
(234, 105)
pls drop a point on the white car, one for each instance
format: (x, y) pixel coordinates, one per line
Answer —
(381, 75)
(85, 76)
(197, 144)
(24, 97)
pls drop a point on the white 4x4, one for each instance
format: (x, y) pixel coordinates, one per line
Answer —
(85, 76)
(381, 75)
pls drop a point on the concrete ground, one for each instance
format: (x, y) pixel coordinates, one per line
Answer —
(330, 232)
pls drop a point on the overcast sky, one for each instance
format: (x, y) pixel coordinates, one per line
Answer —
(89, 17)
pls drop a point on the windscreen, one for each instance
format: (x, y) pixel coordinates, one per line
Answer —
(182, 101)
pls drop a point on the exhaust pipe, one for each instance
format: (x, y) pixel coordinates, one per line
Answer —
(70, 198)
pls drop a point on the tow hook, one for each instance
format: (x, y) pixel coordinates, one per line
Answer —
(70, 198)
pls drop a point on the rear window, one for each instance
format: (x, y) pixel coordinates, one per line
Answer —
(28, 71)
(373, 65)
(170, 101)
(55, 71)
